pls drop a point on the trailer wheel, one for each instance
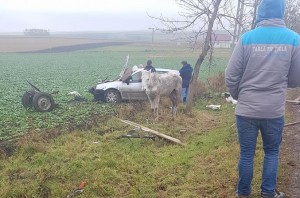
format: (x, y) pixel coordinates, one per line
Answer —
(27, 98)
(43, 102)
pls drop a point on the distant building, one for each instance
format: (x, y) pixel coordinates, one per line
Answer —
(36, 32)
(221, 39)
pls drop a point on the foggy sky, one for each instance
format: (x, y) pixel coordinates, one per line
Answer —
(89, 15)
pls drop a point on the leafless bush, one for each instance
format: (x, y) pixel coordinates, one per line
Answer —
(200, 89)
(217, 83)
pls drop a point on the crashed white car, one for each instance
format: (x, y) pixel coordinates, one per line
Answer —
(127, 86)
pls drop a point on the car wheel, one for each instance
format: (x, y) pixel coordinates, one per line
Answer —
(43, 102)
(112, 96)
(27, 98)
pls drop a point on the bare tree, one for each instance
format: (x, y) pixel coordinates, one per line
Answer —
(254, 7)
(211, 19)
(237, 23)
(200, 16)
(292, 15)
(245, 17)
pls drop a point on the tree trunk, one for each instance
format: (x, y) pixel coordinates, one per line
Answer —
(240, 18)
(238, 10)
(255, 6)
(202, 56)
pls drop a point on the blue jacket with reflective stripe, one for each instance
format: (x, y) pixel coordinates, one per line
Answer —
(264, 63)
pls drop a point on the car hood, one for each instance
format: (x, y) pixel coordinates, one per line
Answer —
(107, 85)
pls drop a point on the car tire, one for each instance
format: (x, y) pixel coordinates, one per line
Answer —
(112, 96)
(27, 98)
(43, 102)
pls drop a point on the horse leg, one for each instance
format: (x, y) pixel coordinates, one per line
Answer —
(151, 103)
(156, 103)
(152, 106)
(174, 100)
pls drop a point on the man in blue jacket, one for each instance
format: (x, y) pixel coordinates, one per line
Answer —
(186, 74)
(149, 66)
(264, 63)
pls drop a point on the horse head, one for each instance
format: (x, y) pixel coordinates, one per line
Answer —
(146, 75)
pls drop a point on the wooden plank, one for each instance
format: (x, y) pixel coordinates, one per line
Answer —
(293, 101)
(290, 124)
(153, 132)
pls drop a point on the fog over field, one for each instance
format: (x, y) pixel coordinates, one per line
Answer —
(88, 15)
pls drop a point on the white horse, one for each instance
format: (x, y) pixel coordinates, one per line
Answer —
(157, 85)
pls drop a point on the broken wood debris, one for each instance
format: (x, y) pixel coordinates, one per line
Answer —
(293, 123)
(153, 132)
(295, 101)
(135, 134)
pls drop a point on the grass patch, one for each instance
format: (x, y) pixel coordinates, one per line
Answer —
(112, 167)
(79, 142)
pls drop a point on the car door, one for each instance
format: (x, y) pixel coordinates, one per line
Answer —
(132, 89)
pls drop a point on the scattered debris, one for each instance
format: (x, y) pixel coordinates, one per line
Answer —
(229, 98)
(293, 123)
(77, 191)
(183, 130)
(295, 101)
(55, 92)
(74, 93)
(153, 132)
(214, 107)
(136, 134)
(77, 96)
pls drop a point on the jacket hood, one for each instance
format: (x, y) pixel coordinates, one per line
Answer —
(270, 9)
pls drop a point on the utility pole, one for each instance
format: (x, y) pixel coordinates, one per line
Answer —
(153, 30)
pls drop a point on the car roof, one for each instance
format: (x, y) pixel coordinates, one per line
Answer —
(158, 70)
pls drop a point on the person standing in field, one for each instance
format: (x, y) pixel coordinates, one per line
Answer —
(149, 66)
(264, 63)
(186, 73)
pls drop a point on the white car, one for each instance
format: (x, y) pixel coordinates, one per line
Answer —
(127, 86)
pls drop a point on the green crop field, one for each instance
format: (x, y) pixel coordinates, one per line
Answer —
(74, 71)
(79, 142)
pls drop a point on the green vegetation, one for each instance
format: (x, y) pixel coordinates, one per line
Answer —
(78, 142)
(72, 71)
(52, 167)
(44, 166)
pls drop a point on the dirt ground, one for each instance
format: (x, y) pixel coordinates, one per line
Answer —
(290, 150)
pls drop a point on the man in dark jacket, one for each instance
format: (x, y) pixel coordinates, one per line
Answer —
(264, 63)
(186, 74)
(149, 66)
